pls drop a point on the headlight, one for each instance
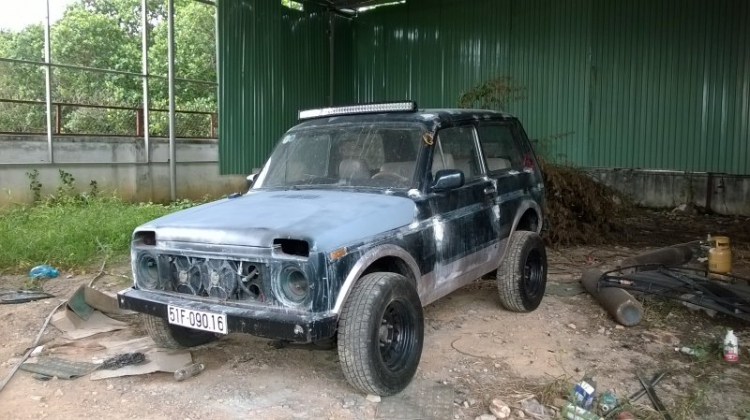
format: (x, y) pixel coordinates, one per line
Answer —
(293, 285)
(147, 271)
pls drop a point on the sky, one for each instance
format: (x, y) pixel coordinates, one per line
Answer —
(17, 14)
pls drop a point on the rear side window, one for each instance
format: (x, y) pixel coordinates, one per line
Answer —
(501, 150)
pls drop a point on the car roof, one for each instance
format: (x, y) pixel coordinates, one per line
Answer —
(431, 117)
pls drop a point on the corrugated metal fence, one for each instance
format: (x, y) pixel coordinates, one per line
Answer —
(273, 61)
(655, 84)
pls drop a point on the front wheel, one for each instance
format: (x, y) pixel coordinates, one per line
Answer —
(381, 333)
(522, 276)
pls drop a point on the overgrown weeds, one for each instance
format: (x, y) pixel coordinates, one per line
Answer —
(495, 93)
(69, 229)
(69, 234)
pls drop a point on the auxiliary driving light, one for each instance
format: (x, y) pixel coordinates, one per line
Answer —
(294, 285)
(407, 106)
(148, 271)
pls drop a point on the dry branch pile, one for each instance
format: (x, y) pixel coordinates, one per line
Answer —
(580, 209)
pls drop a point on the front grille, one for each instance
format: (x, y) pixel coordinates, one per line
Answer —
(217, 278)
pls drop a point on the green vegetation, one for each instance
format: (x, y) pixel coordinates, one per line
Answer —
(106, 34)
(72, 234)
(70, 230)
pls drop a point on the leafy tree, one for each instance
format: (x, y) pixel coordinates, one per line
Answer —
(195, 56)
(106, 34)
(127, 13)
(22, 81)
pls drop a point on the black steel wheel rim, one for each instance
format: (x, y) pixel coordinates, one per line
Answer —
(533, 274)
(397, 336)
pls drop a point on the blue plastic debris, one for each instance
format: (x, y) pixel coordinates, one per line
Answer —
(43, 271)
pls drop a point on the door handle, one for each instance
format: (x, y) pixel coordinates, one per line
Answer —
(490, 190)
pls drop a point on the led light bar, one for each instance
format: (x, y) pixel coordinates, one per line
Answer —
(407, 106)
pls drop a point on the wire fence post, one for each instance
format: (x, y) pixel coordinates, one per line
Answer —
(139, 123)
(58, 117)
(144, 71)
(212, 127)
(48, 84)
(170, 82)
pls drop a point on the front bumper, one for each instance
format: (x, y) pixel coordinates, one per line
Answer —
(269, 322)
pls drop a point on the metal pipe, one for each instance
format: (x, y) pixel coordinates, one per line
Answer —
(144, 70)
(48, 84)
(58, 119)
(77, 105)
(170, 82)
(619, 303)
(100, 70)
(709, 192)
(331, 57)
(669, 256)
(217, 69)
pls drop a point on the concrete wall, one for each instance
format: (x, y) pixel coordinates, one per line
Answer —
(116, 164)
(119, 164)
(724, 194)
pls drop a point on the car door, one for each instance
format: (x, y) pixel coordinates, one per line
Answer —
(504, 160)
(462, 221)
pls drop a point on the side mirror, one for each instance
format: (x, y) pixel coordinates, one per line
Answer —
(448, 179)
(250, 179)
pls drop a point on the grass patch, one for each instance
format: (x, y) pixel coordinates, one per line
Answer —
(72, 233)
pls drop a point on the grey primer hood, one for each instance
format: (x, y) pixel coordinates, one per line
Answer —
(326, 219)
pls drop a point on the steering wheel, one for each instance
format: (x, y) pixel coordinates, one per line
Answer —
(391, 175)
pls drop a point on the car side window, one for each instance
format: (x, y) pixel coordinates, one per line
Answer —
(499, 146)
(455, 149)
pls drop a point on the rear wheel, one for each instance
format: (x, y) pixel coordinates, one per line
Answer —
(522, 276)
(381, 333)
(170, 336)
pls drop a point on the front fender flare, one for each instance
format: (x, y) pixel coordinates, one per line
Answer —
(372, 255)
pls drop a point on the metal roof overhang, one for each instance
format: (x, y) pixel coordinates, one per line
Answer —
(348, 5)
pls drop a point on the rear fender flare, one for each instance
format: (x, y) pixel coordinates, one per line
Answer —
(525, 205)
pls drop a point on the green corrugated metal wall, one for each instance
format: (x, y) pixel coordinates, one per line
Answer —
(273, 61)
(655, 84)
(343, 78)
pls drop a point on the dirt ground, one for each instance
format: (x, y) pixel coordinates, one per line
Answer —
(474, 351)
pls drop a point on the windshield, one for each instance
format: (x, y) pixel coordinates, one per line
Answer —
(350, 155)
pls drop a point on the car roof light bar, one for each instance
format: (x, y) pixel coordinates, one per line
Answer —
(406, 106)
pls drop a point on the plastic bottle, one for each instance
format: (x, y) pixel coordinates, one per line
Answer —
(188, 371)
(42, 271)
(731, 347)
(571, 412)
(584, 392)
(692, 351)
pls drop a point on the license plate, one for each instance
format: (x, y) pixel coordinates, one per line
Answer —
(197, 320)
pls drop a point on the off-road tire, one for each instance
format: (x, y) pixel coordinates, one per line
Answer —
(522, 276)
(170, 336)
(372, 363)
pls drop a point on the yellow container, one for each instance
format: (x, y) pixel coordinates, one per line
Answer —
(720, 255)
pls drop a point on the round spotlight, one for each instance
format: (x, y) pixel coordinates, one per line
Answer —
(294, 285)
(148, 271)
